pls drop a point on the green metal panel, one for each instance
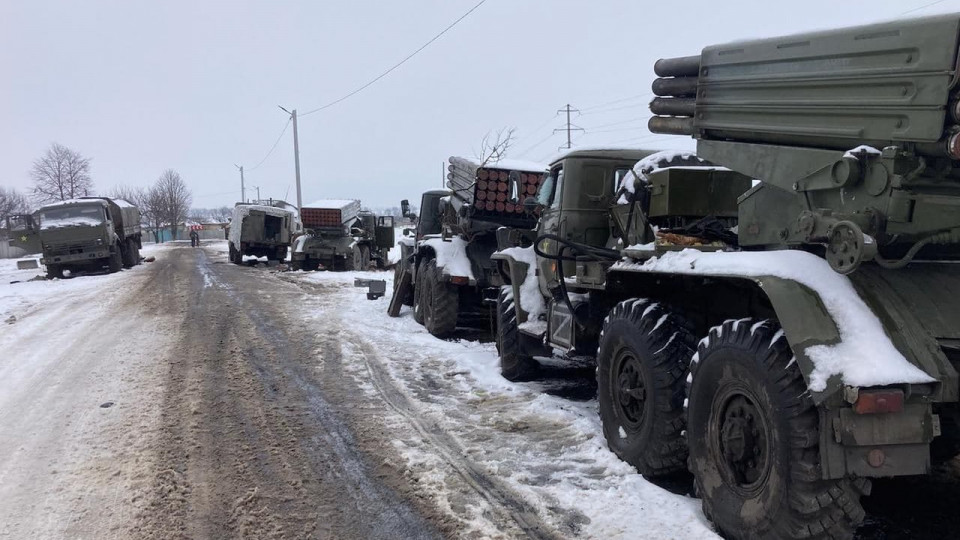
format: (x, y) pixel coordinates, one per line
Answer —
(696, 192)
(838, 88)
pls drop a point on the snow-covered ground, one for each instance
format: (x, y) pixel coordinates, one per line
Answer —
(548, 449)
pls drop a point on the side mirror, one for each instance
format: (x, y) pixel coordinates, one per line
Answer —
(531, 205)
(405, 208)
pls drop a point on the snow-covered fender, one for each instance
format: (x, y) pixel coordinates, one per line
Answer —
(516, 272)
(838, 337)
(451, 256)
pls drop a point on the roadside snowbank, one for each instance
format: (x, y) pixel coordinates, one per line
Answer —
(865, 355)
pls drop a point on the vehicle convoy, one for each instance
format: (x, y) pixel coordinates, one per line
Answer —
(83, 234)
(340, 236)
(261, 230)
(782, 318)
(445, 272)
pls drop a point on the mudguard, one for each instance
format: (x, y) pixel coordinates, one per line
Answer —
(517, 272)
(913, 323)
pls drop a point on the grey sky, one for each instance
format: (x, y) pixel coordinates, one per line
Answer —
(194, 85)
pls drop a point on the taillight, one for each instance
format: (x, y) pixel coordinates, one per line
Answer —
(459, 280)
(879, 401)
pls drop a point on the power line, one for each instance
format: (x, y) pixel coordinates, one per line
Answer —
(545, 139)
(923, 7)
(600, 106)
(400, 63)
(604, 111)
(272, 148)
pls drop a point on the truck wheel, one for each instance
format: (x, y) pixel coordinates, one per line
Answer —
(116, 259)
(440, 313)
(418, 292)
(753, 432)
(54, 271)
(514, 365)
(127, 254)
(235, 256)
(641, 364)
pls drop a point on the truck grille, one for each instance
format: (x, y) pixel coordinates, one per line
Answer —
(69, 249)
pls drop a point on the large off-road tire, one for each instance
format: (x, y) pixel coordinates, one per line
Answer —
(127, 254)
(641, 365)
(440, 304)
(355, 261)
(54, 271)
(135, 251)
(235, 256)
(514, 364)
(418, 293)
(115, 262)
(753, 432)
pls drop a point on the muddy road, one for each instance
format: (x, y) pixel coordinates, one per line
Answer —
(194, 398)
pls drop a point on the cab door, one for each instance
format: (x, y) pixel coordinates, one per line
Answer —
(24, 233)
(385, 238)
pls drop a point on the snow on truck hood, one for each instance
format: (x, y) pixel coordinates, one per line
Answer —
(865, 356)
(78, 221)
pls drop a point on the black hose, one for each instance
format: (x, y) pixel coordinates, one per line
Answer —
(590, 252)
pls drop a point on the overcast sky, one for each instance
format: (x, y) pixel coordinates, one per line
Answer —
(141, 86)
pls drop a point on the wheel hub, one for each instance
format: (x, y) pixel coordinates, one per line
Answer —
(631, 392)
(743, 441)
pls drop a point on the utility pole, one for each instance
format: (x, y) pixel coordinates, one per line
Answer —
(570, 127)
(243, 191)
(258, 193)
(296, 154)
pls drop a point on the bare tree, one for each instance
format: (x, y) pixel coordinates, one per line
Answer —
(174, 198)
(60, 174)
(494, 148)
(221, 214)
(130, 194)
(152, 211)
(11, 202)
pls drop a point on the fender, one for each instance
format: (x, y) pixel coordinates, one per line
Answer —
(812, 305)
(517, 273)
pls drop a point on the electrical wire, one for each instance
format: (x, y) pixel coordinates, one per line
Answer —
(602, 105)
(272, 148)
(923, 7)
(398, 64)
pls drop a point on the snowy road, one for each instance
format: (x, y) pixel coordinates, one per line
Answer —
(193, 398)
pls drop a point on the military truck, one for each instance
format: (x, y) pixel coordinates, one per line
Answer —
(445, 272)
(782, 318)
(260, 230)
(340, 236)
(84, 234)
(23, 233)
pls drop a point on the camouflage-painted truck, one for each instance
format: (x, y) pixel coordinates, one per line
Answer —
(786, 321)
(83, 234)
(445, 272)
(341, 236)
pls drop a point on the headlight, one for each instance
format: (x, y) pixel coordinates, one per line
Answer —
(99, 241)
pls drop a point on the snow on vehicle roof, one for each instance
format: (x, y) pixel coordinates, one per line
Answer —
(123, 203)
(508, 164)
(93, 200)
(332, 203)
(69, 222)
(865, 356)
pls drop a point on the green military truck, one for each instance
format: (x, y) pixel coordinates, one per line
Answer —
(445, 273)
(84, 234)
(782, 319)
(341, 236)
(260, 230)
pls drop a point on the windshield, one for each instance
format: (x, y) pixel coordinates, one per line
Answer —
(73, 215)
